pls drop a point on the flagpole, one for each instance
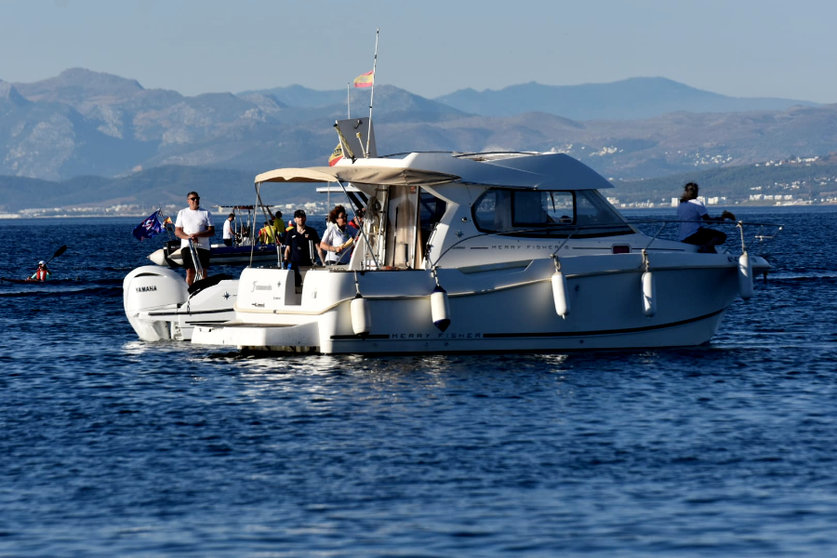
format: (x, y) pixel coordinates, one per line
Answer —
(372, 94)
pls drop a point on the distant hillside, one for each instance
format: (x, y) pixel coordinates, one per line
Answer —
(814, 181)
(84, 124)
(630, 99)
(144, 191)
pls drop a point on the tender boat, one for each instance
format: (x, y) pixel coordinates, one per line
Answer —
(220, 254)
(482, 252)
(161, 307)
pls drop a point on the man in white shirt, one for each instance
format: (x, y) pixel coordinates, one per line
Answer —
(228, 234)
(195, 224)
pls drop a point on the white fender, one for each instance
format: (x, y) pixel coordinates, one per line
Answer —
(745, 276)
(559, 294)
(649, 303)
(439, 308)
(361, 320)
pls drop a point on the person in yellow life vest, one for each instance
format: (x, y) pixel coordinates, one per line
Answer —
(42, 273)
(278, 223)
(267, 234)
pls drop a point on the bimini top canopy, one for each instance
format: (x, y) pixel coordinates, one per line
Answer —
(361, 174)
(550, 170)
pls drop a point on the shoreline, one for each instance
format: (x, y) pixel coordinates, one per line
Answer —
(660, 207)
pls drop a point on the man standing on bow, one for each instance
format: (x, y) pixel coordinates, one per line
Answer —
(194, 224)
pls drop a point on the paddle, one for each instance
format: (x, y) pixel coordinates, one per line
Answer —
(58, 253)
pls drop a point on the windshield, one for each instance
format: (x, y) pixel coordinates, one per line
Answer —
(552, 213)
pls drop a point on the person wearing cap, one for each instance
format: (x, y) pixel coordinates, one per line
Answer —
(42, 273)
(300, 242)
(194, 224)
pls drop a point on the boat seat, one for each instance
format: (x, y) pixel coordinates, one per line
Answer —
(208, 282)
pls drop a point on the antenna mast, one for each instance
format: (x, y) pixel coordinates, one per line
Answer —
(372, 94)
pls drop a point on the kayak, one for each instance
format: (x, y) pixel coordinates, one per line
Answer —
(35, 281)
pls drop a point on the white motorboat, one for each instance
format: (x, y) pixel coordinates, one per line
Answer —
(484, 252)
(160, 306)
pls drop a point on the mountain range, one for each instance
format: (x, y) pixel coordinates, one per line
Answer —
(91, 136)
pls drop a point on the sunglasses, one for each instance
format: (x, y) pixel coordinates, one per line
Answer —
(195, 199)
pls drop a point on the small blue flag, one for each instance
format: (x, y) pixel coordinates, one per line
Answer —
(149, 227)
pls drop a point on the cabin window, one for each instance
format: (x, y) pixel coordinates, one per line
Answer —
(547, 213)
(431, 210)
(492, 212)
(538, 208)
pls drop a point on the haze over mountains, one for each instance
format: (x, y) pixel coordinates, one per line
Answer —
(83, 123)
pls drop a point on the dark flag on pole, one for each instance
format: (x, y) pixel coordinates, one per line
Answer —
(150, 226)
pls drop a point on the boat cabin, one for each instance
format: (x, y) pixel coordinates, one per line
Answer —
(414, 219)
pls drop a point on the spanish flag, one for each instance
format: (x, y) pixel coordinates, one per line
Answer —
(336, 155)
(365, 80)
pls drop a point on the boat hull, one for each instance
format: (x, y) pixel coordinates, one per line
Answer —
(491, 309)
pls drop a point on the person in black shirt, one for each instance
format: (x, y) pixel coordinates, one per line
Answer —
(300, 242)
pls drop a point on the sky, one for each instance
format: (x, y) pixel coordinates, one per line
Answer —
(740, 48)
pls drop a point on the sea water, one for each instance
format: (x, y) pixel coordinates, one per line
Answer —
(110, 446)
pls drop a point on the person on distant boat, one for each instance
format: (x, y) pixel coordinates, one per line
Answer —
(42, 273)
(299, 243)
(228, 234)
(195, 224)
(337, 240)
(357, 223)
(692, 214)
(267, 234)
(278, 224)
(244, 238)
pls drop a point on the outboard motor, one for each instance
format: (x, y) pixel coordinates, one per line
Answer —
(152, 288)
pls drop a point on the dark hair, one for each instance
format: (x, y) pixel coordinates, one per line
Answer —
(231, 215)
(299, 213)
(332, 215)
(688, 190)
(193, 194)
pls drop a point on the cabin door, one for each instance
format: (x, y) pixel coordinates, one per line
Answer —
(402, 227)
